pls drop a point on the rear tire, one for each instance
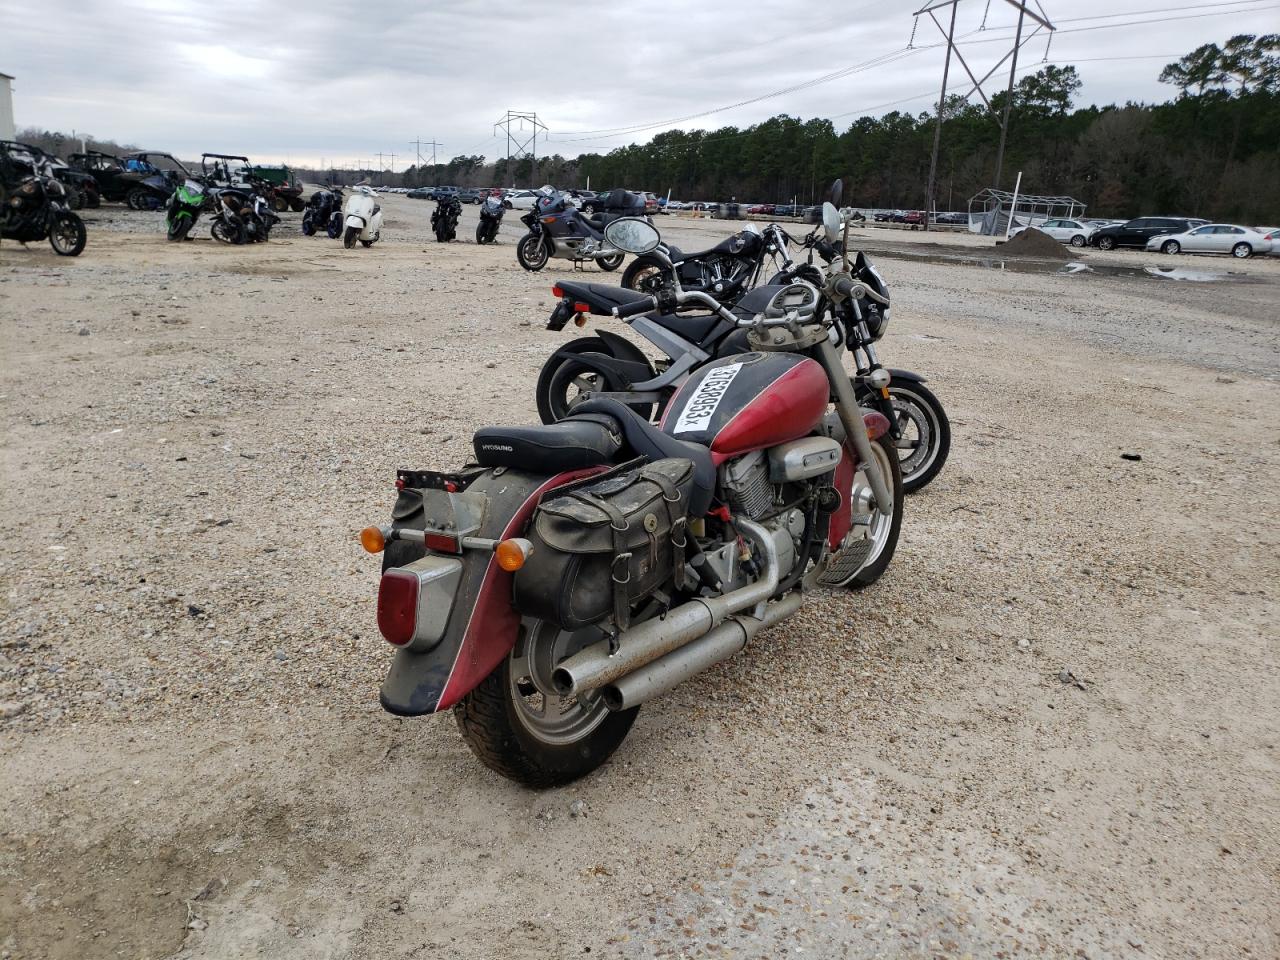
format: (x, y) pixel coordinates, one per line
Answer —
(279, 204)
(1079, 240)
(1242, 251)
(646, 274)
(1106, 243)
(75, 199)
(67, 235)
(610, 263)
(500, 722)
(561, 379)
(226, 232)
(138, 199)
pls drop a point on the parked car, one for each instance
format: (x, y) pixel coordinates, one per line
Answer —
(1074, 232)
(952, 219)
(1272, 234)
(761, 209)
(441, 193)
(421, 193)
(913, 218)
(520, 199)
(1240, 242)
(888, 216)
(1136, 233)
(469, 195)
(786, 210)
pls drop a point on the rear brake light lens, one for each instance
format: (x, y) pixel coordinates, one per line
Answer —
(557, 291)
(398, 606)
(582, 307)
(442, 542)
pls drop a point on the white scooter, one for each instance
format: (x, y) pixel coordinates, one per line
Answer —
(362, 216)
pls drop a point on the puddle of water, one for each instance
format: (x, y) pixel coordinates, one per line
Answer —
(1074, 268)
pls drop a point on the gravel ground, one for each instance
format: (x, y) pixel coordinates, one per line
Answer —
(1049, 731)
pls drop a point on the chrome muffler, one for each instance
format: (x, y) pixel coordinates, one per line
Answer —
(684, 662)
(594, 666)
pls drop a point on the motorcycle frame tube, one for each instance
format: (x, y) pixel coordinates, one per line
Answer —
(483, 625)
(851, 418)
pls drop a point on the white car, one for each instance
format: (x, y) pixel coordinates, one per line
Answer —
(1240, 242)
(520, 199)
(1074, 232)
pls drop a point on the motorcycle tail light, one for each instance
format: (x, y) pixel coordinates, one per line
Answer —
(557, 291)
(398, 606)
(582, 307)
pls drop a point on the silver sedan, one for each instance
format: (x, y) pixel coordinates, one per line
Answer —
(1238, 241)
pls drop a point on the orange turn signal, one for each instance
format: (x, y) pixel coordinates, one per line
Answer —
(373, 540)
(513, 553)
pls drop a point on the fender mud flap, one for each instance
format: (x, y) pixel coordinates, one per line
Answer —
(483, 625)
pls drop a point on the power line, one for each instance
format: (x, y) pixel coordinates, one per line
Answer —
(608, 133)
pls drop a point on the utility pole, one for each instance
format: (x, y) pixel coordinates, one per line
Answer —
(1008, 99)
(524, 146)
(418, 144)
(937, 126)
(1024, 8)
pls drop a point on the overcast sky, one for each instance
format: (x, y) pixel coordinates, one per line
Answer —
(302, 81)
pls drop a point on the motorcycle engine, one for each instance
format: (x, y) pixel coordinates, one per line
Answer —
(746, 481)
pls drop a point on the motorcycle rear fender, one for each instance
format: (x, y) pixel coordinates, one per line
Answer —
(483, 625)
(626, 362)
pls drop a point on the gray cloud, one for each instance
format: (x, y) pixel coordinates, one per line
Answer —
(304, 81)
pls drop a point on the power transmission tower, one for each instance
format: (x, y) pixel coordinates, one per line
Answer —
(1024, 11)
(524, 140)
(419, 144)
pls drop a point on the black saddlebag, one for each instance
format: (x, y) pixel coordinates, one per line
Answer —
(606, 544)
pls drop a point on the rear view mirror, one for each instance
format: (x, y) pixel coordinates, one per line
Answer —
(831, 221)
(835, 193)
(632, 235)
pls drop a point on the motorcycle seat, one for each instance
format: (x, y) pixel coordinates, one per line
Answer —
(695, 327)
(571, 444)
(601, 296)
(647, 440)
(676, 254)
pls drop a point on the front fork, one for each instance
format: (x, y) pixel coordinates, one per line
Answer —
(854, 427)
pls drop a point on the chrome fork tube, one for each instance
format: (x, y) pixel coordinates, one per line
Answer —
(854, 428)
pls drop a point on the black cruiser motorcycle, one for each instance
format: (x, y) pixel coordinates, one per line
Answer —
(33, 207)
(557, 229)
(576, 570)
(607, 364)
(726, 271)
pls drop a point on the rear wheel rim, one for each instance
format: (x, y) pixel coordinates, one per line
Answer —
(647, 280)
(546, 715)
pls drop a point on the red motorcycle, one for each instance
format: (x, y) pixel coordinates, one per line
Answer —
(578, 569)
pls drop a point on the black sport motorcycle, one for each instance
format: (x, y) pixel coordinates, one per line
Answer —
(323, 212)
(725, 271)
(491, 212)
(558, 229)
(33, 207)
(444, 218)
(607, 364)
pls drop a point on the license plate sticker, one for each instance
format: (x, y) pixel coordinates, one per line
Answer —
(702, 404)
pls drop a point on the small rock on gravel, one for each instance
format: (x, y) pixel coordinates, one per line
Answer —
(578, 808)
(11, 709)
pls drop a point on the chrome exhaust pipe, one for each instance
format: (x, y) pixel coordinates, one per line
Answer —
(594, 666)
(684, 662)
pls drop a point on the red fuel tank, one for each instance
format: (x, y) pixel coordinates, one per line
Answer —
(748, 402)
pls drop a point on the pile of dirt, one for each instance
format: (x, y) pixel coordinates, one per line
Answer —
(1034, 243)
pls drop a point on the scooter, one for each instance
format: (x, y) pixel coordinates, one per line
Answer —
(558, 229)
(362, 217)
(491, 212)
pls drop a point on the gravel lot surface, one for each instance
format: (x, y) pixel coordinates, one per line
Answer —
(1051, 730)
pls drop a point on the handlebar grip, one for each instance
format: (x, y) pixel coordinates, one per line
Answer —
(631, 309)
(846, 287)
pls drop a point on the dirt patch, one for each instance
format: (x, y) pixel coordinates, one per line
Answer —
(1033, 243)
